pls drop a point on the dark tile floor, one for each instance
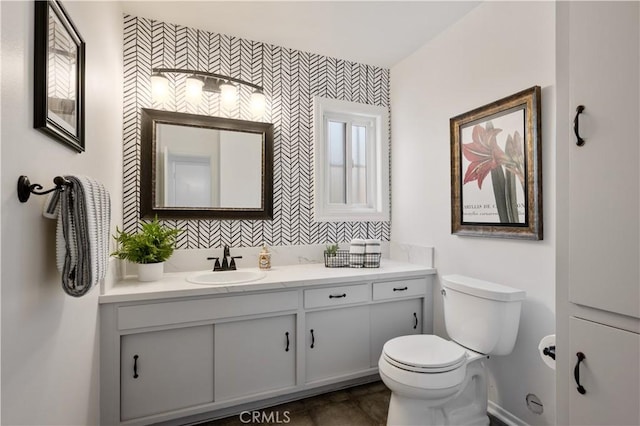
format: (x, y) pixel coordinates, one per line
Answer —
(358, 406)
(364, 405)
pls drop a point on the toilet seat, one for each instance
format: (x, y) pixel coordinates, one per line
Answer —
(424, 353)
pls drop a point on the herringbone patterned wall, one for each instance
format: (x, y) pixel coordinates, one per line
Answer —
(291, 79)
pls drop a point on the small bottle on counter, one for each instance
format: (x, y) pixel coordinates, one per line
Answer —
(264, 258)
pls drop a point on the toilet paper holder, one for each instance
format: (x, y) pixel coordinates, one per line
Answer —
(550, 351)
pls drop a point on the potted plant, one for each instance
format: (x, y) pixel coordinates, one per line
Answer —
(149, 248)
(331, 259)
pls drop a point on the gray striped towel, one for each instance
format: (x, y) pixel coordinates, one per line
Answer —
(82, 234)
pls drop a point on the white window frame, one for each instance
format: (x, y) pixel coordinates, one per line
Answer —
(376, 119)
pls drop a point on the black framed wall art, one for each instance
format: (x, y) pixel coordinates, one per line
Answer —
(58, 75)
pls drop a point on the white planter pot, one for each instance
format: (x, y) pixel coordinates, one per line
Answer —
(150, 271)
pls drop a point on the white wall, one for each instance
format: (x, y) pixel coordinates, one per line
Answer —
(50, 353)
(498, 49)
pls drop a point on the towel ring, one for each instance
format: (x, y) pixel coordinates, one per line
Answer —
(26, 188)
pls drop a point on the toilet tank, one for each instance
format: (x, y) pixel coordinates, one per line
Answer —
(481, 315)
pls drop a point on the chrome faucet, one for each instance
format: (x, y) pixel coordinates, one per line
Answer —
(228, 261)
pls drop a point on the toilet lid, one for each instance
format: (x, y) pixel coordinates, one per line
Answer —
(424, 352)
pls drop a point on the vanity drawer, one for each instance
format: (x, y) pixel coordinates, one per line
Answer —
(398, 289)
(182, 311)
(336, 296)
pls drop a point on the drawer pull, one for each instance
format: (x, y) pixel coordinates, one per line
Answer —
(135, 366)
(313, 339)
(576, 373)
(287, 334)
(415, 316)
(337, 296)
(400, 288)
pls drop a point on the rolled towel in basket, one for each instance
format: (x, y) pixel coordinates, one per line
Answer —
(356, 253)
(372, 250)
(372, 246)
(82, 234)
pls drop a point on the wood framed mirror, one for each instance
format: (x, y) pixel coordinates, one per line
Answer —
(201, 167)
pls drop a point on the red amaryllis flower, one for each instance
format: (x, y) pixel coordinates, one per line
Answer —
(483, 153)
(515, 156)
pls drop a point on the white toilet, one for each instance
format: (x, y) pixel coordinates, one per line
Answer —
(434, 381)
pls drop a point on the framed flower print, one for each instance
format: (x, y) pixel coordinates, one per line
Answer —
(58, 75)
(496, 169)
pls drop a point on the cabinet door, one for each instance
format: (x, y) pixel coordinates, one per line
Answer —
(610, 374)
(604, 179)
(393, 319)
(165, 370)
(337, 342)
(254, 356)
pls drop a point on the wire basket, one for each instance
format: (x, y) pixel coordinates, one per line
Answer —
(344, 259)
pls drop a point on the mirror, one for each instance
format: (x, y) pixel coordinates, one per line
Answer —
(196, 166)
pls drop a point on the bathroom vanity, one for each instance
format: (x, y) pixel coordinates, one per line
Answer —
(174, 350)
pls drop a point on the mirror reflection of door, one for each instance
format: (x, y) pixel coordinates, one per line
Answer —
(188, 181)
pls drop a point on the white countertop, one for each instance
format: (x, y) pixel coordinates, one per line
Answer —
(279, 277)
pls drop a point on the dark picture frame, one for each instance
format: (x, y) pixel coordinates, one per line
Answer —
(59, 75)
(496, 169)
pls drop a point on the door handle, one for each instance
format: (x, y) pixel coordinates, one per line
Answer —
(287, 334)
(337, 296)
(313, 339)
(576, 125)
(415, 317)
(576, 373)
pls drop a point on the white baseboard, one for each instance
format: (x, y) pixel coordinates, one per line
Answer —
(503, 415)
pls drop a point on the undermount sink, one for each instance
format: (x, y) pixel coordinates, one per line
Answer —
(225, 277)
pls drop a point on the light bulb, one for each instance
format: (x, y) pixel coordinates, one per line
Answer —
(258, 103)
(193, 89)
(228, 94)
(159, 87)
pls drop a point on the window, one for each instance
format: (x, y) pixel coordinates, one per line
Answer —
(352, 161)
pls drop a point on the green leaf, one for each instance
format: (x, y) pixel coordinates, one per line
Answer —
(511, 197)
(332, 249)
(497, 179)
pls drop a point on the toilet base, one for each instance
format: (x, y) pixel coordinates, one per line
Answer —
(413, 412)
(468, 408)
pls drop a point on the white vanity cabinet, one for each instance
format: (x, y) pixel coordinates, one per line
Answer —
(182, 358)
(254, 356)
(337, 342)
(399, 312)
(393, 319)
(165, 370)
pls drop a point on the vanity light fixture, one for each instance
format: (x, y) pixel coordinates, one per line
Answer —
(159, 87)
(228, 94)
(258, 102)
(193, 89)
(200, 81)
